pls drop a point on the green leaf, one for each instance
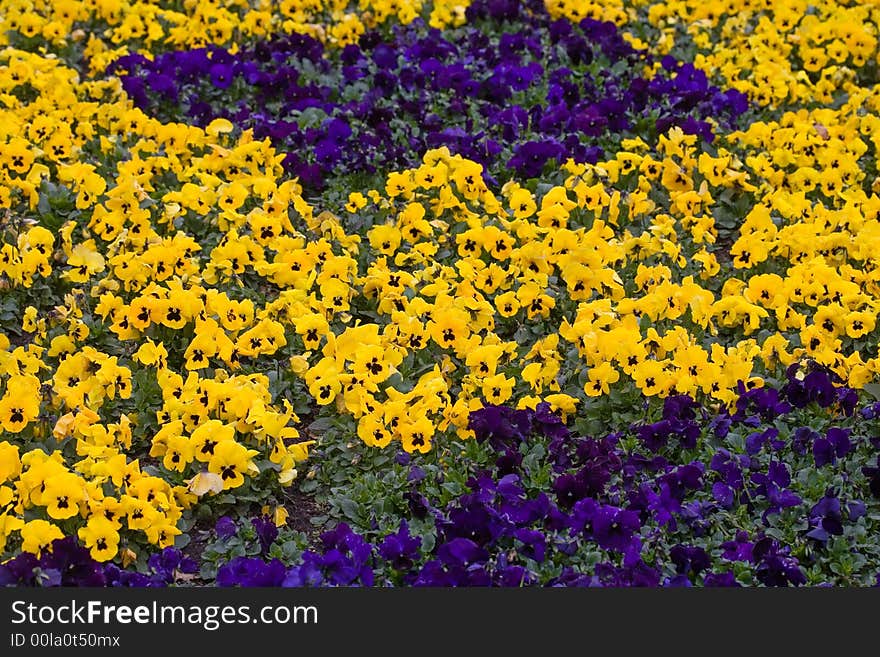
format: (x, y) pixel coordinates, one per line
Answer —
(872, 389)
(350, 509)
(428, 542)
(308, 486)
(181, 541)
(321, 424)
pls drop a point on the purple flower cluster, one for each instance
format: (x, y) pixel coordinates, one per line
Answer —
(649, 516)
(544, 90)
(67, 563)
(346, 559)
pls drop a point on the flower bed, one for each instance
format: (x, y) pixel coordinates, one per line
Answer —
(492, 293)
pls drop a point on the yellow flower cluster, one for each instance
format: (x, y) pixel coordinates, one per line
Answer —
(805, 235)
(127, 269)
(107, 29)
(601, 10)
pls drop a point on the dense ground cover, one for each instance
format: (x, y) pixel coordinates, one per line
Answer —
(498, 293)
